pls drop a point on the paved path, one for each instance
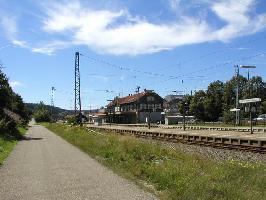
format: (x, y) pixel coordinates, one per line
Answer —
(47, 167)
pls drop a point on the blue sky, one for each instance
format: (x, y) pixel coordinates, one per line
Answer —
(163, 45)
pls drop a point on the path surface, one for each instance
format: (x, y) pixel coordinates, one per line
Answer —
(47, 167)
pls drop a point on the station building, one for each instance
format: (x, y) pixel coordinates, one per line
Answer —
(136, 108)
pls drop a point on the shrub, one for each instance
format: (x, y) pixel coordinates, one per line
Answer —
(41, 113)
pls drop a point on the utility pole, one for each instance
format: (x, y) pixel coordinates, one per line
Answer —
(249, 105)
(110, 112)
(237, 91)
(185, 111)
(77, 89)
(249, 94)
(52, 101)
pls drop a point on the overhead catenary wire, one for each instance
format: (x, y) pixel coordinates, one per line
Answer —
(129, 69)
(224, 49)
(182, 76)
(124, 68)
(216, 66)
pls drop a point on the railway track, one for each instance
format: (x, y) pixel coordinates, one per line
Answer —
(239, 144)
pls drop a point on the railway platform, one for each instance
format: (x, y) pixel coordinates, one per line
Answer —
(226, 138)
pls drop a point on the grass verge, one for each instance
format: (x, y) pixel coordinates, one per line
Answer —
(8, 142)
(174, 174)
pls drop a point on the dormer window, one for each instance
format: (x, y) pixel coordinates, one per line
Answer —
(149, 99)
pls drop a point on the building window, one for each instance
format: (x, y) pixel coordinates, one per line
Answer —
(158, 106)
(117, 109)
(149, 99)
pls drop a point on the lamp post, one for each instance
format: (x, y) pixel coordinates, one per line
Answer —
(110, 112)
(185, 111)
(237, 89)
(249, 95)
(149, 119)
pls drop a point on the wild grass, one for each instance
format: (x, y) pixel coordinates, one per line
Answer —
(173, 174)
(8, 142)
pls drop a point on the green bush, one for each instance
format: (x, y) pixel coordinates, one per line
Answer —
(228, 117)
(41, 113)
(72, 120)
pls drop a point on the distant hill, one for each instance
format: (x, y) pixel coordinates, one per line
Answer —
(31, 107)
(56, 110)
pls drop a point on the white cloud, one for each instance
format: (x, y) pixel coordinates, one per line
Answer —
(119, 32)
(113, 32)
(243, 48)
(9, 25)
(239, 21)
(14, 84)
(50, 47)
(19, 43)
(100, 31)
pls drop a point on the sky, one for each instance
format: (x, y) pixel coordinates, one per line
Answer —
(162, 45)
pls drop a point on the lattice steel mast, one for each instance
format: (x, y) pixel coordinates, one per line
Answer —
(77, 86)
(52, 98)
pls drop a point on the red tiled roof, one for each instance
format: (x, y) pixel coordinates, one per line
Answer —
(128, 99)
(99, 114)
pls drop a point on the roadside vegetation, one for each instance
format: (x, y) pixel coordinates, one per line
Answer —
(8, 142)
(171, 174)
(14, 117)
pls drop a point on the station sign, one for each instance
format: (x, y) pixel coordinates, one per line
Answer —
(253, 100)
(234, 109)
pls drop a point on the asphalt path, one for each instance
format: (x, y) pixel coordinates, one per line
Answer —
(46, 167)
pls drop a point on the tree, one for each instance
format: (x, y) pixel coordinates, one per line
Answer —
(187, 99)
(197, 107)
(20, 109)
(257, 87)
(221, 97)
(12, 107)
(5, 92)
(262, 109)
(41, 113)
(214, 101)
(258, 90)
